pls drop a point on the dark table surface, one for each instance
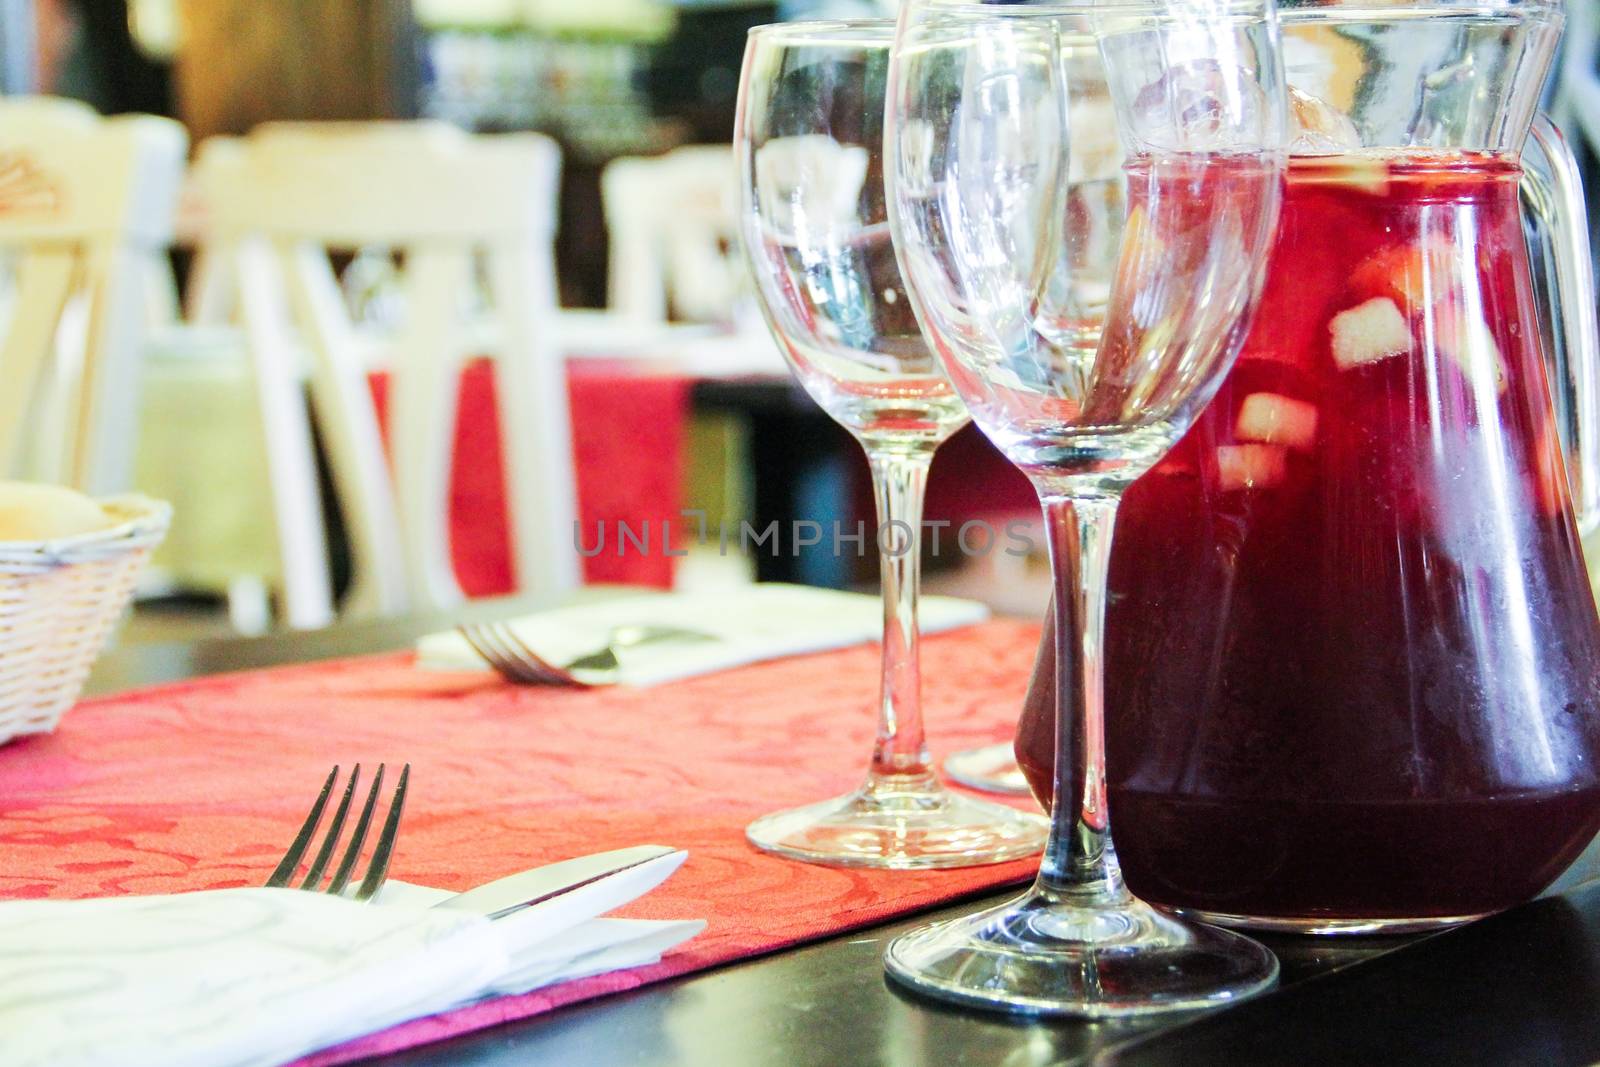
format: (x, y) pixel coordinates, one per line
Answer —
(1520, 988)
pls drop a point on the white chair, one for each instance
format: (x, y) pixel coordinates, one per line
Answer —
(86, 210)
(672, 222)
(673, 239)
(276, 204)
(56, 112)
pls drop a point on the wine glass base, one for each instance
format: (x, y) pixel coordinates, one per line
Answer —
(991, 769)
(1042, 955)
(922, 828)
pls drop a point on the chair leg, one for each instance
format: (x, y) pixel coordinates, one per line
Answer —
(342, 398)
(249, 605)
(44, 280)
(424, 390)
(286, 427)
(540, 480)
(107, 413)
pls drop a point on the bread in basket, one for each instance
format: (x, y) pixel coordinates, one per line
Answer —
(61, 595)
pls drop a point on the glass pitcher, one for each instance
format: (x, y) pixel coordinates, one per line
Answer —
(1353, 671)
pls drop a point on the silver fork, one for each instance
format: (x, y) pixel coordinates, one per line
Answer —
(377, 866)
(510, 656)
(500, 647)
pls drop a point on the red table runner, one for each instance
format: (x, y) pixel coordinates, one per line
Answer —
(627, 450)
(202, 785)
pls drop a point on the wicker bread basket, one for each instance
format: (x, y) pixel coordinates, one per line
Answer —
(58, 603)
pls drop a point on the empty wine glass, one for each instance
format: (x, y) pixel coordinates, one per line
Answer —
(1084, 372)
(809, 138)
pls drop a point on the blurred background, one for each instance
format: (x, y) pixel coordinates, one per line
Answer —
(605, 78)
(679, 400)
(241, 410)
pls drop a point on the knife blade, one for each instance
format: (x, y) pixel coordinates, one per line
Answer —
(515, 892)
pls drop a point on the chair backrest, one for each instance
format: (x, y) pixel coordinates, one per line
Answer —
(276, 204)
(673, 238)
(86, 206)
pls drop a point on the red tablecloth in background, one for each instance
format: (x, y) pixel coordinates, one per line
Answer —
(627, 443)
(202, 785)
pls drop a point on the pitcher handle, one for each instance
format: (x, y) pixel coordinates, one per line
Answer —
(1553, 192)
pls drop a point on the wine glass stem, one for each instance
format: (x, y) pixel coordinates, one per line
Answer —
(898, 481)
(1078, 859)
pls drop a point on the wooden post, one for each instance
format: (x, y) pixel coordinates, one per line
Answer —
(244, 62)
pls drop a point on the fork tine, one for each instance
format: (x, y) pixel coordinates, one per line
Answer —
(532, 659)
(514, 665)
(378, 868)
(499, 645)
(330, 839)
(487, 645)
(485, 653)
(286, 867)
(535, 668)
(358, 837)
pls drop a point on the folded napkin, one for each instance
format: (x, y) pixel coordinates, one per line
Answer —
(538, 958)
(747, 625)
(246, 977)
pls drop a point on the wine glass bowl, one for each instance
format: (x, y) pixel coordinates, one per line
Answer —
(1083, 195)
(818, 234)
(809, 139)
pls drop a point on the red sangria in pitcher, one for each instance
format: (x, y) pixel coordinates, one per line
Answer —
(1353, 659)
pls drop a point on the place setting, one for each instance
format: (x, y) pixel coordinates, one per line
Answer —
(267, 975)
(405, 660)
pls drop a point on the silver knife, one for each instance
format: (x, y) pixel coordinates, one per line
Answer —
(517, 891)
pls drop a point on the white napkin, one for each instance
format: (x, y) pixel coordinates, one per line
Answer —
(750, 624)
(245, 977)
